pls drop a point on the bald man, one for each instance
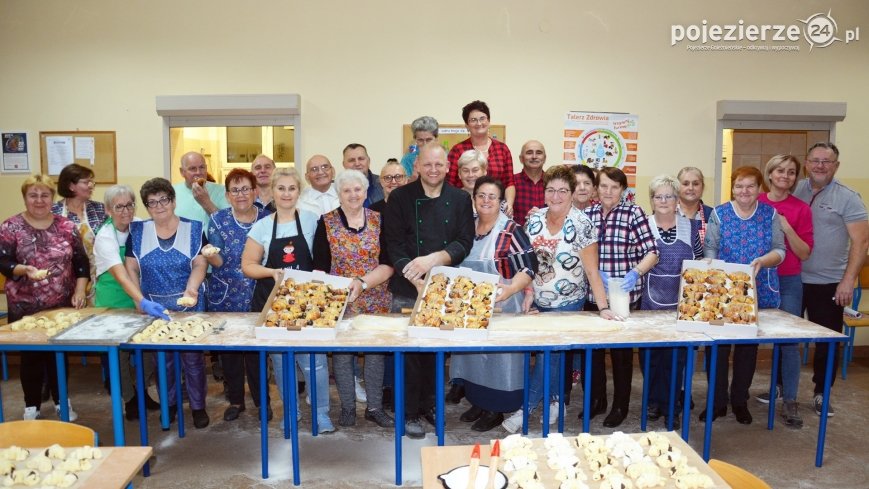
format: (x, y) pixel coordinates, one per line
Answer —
(529, 181)
(262, 168)
(195, 198)
(320, 196)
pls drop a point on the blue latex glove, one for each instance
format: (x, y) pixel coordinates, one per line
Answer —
(630, 280)
(605, 278)
(154, 309)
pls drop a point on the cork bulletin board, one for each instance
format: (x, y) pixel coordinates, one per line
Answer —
(92, 149)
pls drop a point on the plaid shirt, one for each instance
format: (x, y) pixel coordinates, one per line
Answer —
(624, 239)
(528, 195)
(95, 212)
(499, 157)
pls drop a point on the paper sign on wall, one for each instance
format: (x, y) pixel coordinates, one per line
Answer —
(600, 139)
(15, 153)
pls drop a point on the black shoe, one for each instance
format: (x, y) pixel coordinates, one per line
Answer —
(615, 417)
(151, 404)
(487, 421)
(132, 409)
(472, 414)
(200, 418)
(742, 414)
(716, 413)
(598, 406)
(301, 386)
(380, 417)
(675, 420)
(173, 414)
(653, 413)
(388, 399)
(232, 412)
(269, 413)
(429, 416)
(456, 393)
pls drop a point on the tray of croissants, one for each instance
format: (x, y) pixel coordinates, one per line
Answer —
(717, 296)
(455, 303)
(304, 305)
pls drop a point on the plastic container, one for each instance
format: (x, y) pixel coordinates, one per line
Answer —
(619, 300)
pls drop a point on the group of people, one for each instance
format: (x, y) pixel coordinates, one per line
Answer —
(556, 237)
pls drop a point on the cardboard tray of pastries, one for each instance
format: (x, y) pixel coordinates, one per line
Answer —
(304, 306)
(456, 303)
(717, 298)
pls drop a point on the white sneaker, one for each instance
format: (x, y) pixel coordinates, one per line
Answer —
(553, 413)
(360, 391)
(513, 423)
(31, 413)
(72, 414)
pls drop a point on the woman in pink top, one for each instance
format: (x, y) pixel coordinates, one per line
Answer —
(796, 222)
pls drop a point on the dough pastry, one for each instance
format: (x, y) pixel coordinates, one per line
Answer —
(40, 275)
(186, 302)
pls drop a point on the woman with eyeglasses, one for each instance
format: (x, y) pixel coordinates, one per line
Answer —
(627, 249)
(227, 289)
(493, 382)
(500, 160)
(745, 231)
(42, 256)
(114, 287)
(677, 239)
(163, 256)
(566, 247)
(76, 185)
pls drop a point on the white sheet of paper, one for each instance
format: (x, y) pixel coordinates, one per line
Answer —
(84, 149)
(59, 149)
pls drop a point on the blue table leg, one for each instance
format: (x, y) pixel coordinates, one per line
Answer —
(292, 401)
(5, 365)
(1, 400)
(439, 397)
(398, 391)
(586, 392)
(561, 367)
(822, 428)
(644, 403)
(776, 351)
(290, 411)
(179, 395)
(162, 379)
(63, 395)
(674, 374)
(710, 401)
(547, 371)
(312, 388)
(526, 391)
(686, 403)
(263, 412)
(117, 411)
(140, 395)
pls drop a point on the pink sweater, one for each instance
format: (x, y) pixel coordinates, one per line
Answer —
(799, 216)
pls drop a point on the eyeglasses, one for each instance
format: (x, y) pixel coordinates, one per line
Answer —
(393, 178)
(664, 198)
(242, 190)
(560, 191)
(423, 141)
(87, 182)
(154, 203)
(482, 120)
(821, 162)
(128, 207)
(485, 197)
(320, 169)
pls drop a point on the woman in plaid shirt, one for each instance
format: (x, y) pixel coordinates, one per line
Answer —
(626, 248)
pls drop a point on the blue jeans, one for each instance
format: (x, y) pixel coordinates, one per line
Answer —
(321, 364)
(535, 391)
(791, 287)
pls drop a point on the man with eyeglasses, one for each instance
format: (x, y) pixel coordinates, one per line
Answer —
(262, 168)
(356, 158)
(321, 197)
(195, 198)
(841, 240)
(529, 181)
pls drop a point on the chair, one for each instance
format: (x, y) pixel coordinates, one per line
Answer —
(851, 324)
(737, 477)
(43, 433)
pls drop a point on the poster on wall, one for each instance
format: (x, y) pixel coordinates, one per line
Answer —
(600, 139)
(15, 152)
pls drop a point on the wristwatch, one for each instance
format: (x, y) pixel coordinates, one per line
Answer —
(364, 285)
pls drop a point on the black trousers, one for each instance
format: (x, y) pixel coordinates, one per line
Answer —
(821, 309)
(419, 383)
(235, 366)
(744, 365)
(35, 366)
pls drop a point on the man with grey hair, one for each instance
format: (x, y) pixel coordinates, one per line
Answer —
(262, 168)
(196, 198)
(424, 130)
(356, 158)
(841, 240)
(529, 181)
(320, 197)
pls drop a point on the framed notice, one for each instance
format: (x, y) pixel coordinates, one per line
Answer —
(16, 152)
(92, 149)
(601, 139)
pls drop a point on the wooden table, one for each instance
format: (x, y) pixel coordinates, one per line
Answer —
(115, 470)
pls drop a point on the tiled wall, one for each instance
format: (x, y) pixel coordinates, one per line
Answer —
(755, 148)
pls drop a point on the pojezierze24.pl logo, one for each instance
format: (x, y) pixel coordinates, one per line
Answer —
(819, 31)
